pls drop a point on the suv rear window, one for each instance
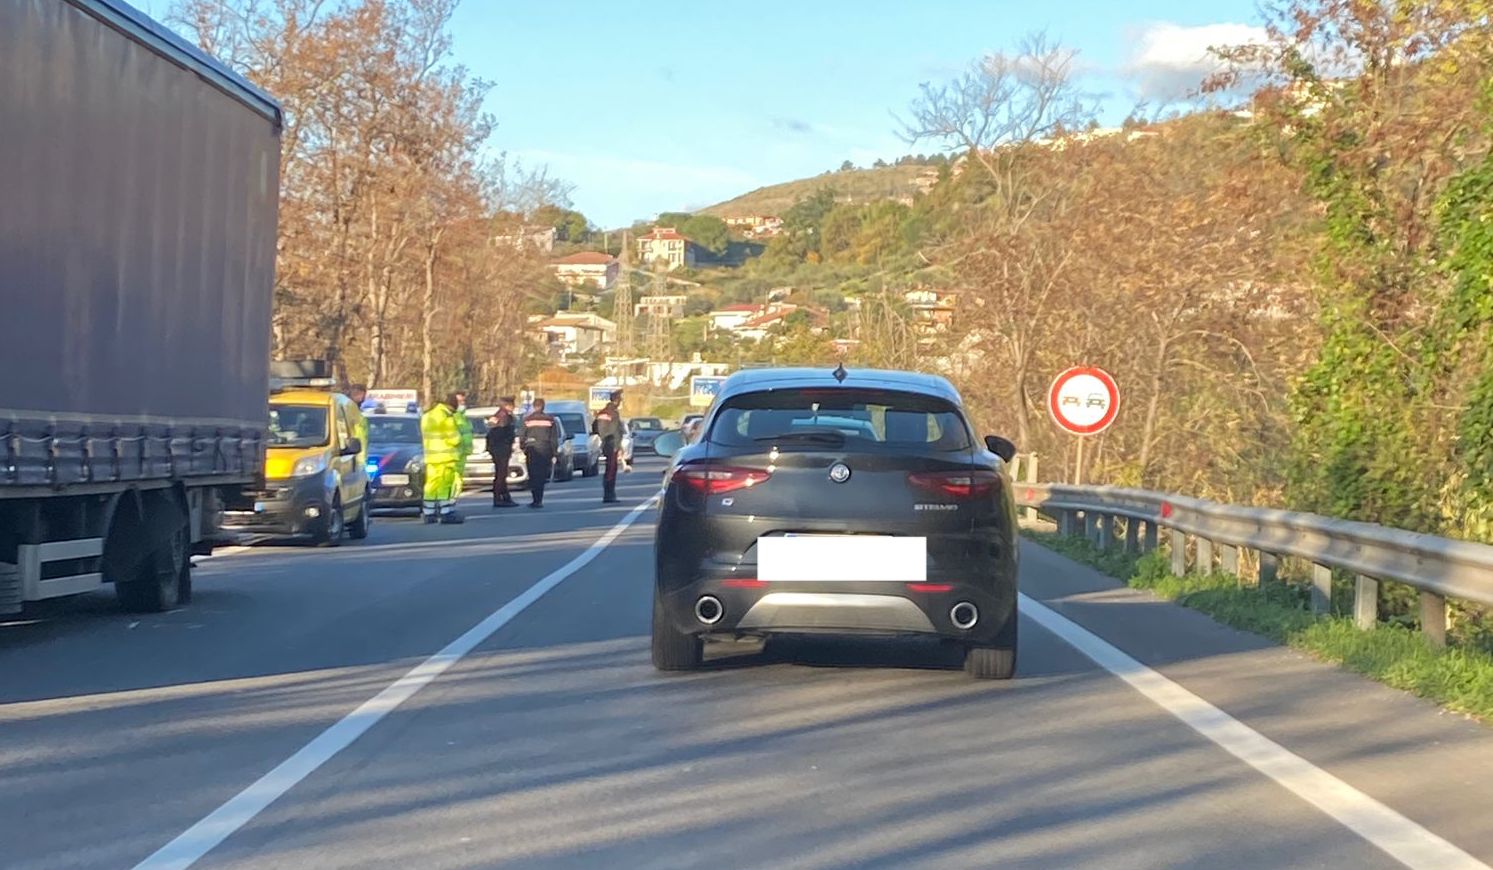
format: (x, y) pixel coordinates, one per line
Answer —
(860, 417)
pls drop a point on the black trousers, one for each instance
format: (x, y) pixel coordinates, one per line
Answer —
(609, 476)
(541, 466)
(500, 479)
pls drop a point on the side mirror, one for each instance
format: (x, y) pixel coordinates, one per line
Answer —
(1001, 447)
(353, 447)
(669, 443)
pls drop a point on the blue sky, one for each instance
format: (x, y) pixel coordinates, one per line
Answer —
(649, 107)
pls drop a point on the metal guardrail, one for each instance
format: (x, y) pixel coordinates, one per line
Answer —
(1439, 568)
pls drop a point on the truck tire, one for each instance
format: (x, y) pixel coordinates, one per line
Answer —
(332, 526)
(673, 650)
(162, 581)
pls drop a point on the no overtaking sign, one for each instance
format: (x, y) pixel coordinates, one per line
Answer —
(1084, 400)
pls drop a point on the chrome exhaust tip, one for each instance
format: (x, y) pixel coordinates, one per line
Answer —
(709, 610)
(964, 615)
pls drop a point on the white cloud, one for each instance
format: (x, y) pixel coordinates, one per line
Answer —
(1169, 61)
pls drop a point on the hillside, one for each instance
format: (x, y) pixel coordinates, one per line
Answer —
(853, 185)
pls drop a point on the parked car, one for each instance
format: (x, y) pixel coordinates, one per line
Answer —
(396, 470)
(643, 431)
(564, 467)
(848, 503)
(315, 471)
(585, 447)
(480, 470)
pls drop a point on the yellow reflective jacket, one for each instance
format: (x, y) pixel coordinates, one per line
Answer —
(440, 435)
(464, 426)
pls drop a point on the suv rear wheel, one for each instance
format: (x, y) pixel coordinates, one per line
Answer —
(673, 650)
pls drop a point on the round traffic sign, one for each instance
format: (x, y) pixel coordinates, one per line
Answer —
(1084, 400)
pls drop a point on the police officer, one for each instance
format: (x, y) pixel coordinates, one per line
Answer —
(502, 428)
(541, 443)
(441, 445)
(608, 425)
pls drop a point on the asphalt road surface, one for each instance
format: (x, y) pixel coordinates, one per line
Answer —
(481, 695)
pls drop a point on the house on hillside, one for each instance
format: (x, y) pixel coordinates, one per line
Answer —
(756, 226)
(566, 336)
(757, 328)
(660, 306)
(669, 247)
(732, 316)
(587, 269)
(932, 311)
(540, 239)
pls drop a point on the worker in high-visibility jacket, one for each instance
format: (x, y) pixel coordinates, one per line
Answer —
(464, 426)
(440, 438)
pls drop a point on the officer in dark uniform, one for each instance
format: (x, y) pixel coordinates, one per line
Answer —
(541, 443)
(608, 425)
(501, 430)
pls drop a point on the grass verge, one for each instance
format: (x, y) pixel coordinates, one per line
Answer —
(1459, 678)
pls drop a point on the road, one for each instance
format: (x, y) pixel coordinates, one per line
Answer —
(550, 741)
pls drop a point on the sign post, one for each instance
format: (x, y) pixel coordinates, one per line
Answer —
(1083, 400)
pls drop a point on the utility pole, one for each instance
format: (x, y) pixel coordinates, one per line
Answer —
(658, 320)
(622, 303)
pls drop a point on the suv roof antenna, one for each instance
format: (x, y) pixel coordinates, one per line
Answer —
(840, 373)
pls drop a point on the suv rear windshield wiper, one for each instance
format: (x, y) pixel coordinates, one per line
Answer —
(822, 436)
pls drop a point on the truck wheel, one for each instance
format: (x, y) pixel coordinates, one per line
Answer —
(673, 650)
(333, 524)
(358, 528)
(162, 580)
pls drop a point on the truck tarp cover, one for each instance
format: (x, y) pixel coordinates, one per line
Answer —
(137, 236)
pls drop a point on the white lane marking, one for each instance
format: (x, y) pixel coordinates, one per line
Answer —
(1403, 839)
(205, 835)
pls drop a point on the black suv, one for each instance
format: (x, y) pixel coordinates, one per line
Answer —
(837, 502)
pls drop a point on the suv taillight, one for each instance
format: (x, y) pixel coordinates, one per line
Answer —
(716, 479)
(974, 483)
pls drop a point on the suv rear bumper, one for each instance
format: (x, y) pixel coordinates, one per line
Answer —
(749, 607)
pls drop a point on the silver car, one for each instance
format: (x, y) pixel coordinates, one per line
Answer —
(480, 471)
(585, 447)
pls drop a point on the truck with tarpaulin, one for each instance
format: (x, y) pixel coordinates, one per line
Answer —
(137, 257)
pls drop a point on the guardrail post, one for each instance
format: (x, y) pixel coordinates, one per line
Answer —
(1205, 556)
(1106, 528)
(1179, 553)
(1228, 559)
(1365, 602)
(1066, 523)
(1132, 534)
(1433, 618)
(1151, 533)
(1321, 588)
(1090, 526)
(1269, 568)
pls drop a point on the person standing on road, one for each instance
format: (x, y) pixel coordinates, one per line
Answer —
(608, 426)
(441, 444)
(464, 426)
(501, 430)
(540, 446)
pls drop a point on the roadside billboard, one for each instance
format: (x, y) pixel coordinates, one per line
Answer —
(598, 398)
(703, 389)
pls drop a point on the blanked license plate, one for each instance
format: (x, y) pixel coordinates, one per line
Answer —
(260, 507)
(395, 480)
(847, 558)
